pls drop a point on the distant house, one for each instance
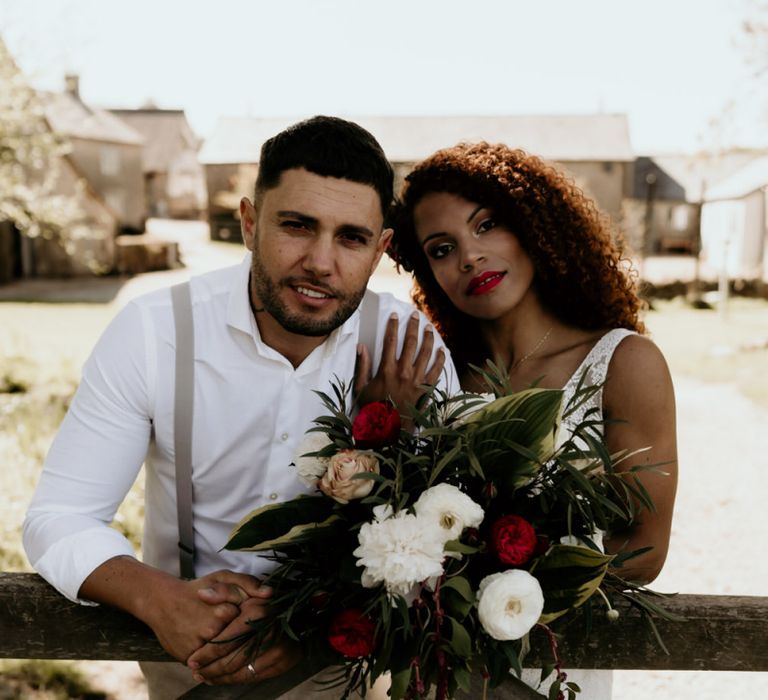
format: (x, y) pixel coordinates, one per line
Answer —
(594, 149)
(105, 151)
(734, 225)
(659, 214)
(84, 243)
(174, 181)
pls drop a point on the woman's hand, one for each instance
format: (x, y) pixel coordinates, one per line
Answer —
(229, 657)
(400, 379)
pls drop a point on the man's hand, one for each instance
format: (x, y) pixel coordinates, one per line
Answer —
(222, 661)
(399, 379)
(175, 611)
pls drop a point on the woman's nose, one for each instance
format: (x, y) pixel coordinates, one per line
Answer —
(470, 259)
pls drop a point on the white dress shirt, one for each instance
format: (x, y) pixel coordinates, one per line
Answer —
(252, 409)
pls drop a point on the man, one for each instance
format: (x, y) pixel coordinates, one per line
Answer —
(267, 335)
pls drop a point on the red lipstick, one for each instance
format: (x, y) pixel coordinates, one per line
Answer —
(484, 282)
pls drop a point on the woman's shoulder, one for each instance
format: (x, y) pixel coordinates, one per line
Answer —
(637, 372)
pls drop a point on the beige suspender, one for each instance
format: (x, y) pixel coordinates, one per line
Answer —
(184, 407)
(184, 401)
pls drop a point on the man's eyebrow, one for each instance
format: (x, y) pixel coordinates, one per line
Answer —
(304, 218)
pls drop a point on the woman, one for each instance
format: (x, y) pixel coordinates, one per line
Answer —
(513, 263)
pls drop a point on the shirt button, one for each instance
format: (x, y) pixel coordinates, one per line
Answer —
(284, 437)
(272, 496)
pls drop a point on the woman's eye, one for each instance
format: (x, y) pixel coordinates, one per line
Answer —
(440, 250)
(486, 225)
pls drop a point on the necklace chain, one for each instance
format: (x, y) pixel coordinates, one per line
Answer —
(530, 354)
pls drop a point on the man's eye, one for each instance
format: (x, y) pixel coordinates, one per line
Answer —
(357, 239)
(293, 225)
(436, 252)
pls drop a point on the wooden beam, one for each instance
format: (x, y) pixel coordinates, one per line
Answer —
(720, 633)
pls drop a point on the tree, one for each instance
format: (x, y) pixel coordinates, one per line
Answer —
(29, 155)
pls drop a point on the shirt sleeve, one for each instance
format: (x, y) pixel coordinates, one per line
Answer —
(93, 461)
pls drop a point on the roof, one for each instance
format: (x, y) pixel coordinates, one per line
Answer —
(70, 116)
(564, 138)
(647, 172)
(166, 134)
(701, 173)
(752, 177)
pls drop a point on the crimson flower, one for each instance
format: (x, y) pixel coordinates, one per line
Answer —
(513, 539)
(377, 425)
(352, 634)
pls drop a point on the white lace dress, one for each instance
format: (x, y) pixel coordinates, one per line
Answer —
(595, 684)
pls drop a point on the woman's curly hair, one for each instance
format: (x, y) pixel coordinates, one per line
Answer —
(580, 274)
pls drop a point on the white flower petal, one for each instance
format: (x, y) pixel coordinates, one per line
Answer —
(448, 508)
(509, 604)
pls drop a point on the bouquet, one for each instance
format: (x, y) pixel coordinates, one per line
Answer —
(436, 552)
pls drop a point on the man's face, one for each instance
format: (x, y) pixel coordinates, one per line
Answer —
(315, 242)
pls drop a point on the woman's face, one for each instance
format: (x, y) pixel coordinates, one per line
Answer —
(478, 263)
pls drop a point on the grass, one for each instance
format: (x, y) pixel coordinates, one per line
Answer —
(45, 680)
(713, 346)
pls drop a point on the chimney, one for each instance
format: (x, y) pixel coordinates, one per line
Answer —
(72, 84)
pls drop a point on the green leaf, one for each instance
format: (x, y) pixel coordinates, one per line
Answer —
(582, 568)
(400, 682)
(276, 522)
(525, 424)
(461, 586)
(460, 641)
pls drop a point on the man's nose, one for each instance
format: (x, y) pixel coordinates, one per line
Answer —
(319, 257)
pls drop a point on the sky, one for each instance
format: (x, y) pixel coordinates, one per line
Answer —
(677, 68)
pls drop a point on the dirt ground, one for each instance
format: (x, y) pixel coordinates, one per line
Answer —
(719, 530)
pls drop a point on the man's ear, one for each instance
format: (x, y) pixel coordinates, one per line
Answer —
(248, 222)
(382, 244)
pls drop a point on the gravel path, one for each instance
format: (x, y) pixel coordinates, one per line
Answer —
(719, 530)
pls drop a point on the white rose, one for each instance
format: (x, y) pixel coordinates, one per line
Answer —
(337, 482)
(449, 508)
(310, 469)
(509, 604)
(399, 552)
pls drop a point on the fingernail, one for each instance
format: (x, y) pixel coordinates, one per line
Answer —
(393, 316)
(265, 589)
(359, 349)
(428, 329)
(415, 315)
(194, 665)
(198, 677)
(208, 591)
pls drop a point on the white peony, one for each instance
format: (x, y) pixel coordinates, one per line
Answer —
(310, 469)
(399, 551)
(509, 604)
(450, 509)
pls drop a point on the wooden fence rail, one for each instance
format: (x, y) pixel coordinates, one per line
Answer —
(720, 633)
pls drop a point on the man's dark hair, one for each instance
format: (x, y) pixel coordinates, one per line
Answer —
(330, 147)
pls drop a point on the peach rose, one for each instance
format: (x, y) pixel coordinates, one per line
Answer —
(337, 482)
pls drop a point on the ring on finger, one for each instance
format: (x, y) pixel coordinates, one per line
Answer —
(252, 670)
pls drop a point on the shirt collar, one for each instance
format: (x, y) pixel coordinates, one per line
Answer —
(240, 316)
